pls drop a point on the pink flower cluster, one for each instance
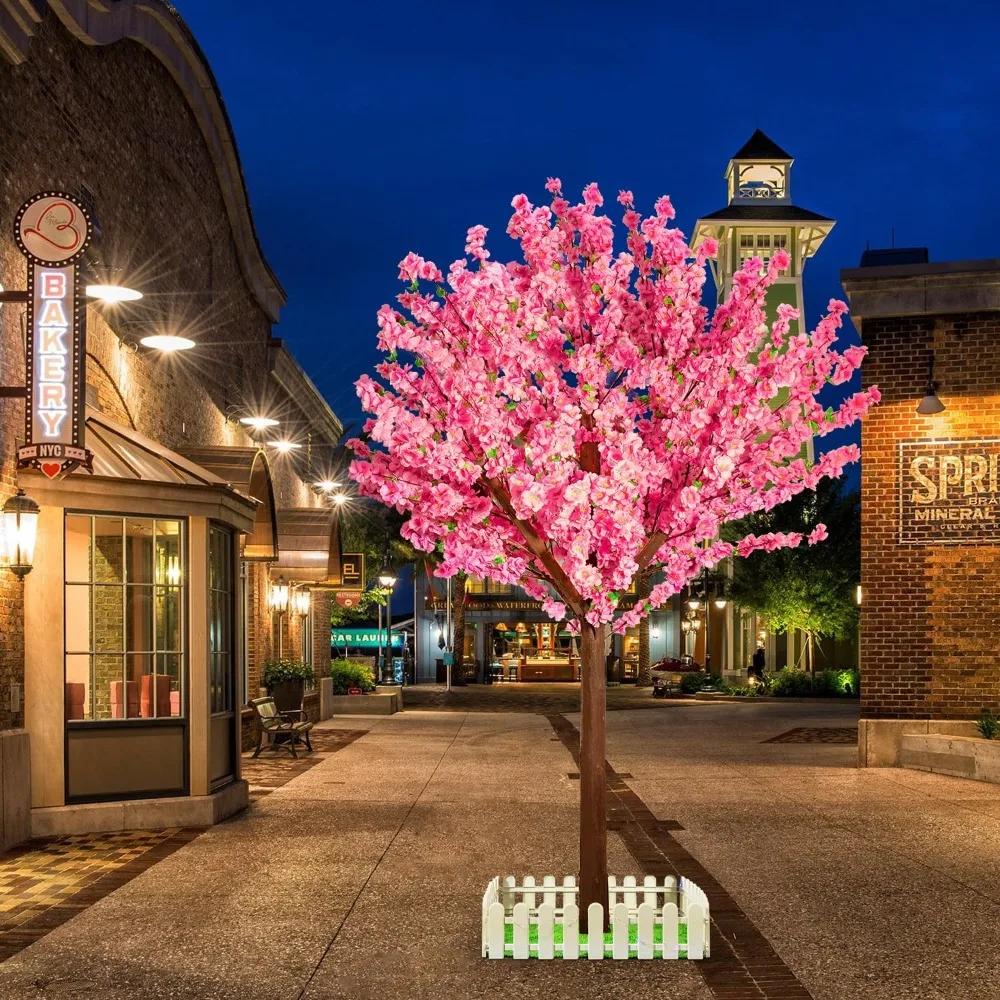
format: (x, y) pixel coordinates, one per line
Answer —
(563, 421)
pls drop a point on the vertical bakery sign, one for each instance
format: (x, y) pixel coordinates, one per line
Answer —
(53, 231)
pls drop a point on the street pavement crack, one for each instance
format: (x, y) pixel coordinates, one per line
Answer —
(381, 858)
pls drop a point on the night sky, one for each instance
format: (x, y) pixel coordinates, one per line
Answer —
(397, 126)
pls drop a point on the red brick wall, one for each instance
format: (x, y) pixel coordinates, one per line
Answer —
(930, 621)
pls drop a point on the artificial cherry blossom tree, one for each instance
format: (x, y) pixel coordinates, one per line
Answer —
(572, 419)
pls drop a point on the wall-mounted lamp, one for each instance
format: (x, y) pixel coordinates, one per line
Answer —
(301, 602)
(694, 604)
(20, 529)
(167, 343)
(720, 602)
(113, 294)
(283, 447)
(930, 404)
(260, 423)
(277, 598)
(857, 594)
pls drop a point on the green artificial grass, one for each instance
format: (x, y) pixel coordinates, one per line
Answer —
(557, 936)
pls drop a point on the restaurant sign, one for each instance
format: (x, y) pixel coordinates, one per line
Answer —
(53, 231)
(949, 492)
(366, 638)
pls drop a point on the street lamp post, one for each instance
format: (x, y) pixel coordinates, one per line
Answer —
(387, 579)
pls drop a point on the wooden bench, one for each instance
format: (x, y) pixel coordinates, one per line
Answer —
(284, 730)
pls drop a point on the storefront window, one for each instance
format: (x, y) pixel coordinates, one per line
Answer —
(126, 583)
(220, 621)
(307, 638)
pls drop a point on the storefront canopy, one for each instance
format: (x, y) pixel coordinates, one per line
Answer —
(135, 474)
(248, 470)
(309, 547)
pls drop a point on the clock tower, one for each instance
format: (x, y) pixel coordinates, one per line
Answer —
(761, 218)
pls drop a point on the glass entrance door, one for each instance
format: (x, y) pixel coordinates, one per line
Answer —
(222, 655)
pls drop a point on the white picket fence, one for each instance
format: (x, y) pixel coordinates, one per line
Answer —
(674, 905)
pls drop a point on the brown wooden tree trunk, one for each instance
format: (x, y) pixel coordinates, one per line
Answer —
(458, 623)
(643, 677)
(593, 819)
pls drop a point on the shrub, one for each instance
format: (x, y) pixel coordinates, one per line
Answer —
(691, 683)
(988, 725)
(791, 683)
(277, 671)
(347, 674)
(826, 684)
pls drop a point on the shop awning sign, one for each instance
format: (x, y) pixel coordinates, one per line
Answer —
(53, 231)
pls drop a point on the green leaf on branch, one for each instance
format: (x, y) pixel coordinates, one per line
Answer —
(511, 406)
(595, 288)
(414, 285)
(492, 453)
(440, 292)
(532, 335)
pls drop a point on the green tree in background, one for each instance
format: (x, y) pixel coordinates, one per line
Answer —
(809, 588)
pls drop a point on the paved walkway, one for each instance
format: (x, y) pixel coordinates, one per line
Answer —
(362, 876)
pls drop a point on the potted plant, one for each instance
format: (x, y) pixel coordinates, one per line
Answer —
(285, 681)
(351, 678)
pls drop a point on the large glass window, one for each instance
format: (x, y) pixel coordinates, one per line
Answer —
(762, 246)
(126, 586)
(221, 636)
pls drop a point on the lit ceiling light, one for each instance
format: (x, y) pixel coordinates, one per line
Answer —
(326, 485)
(259, 423)
(340, 499)
(167, 343)
(113, 293)
(284, 447)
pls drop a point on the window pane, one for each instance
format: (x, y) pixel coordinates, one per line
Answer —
(114, 699)
(168, 553)
(78, 619)
(168, 669)
(107, 624)
(139, 616)
(78, 549)
(139, 543)
(168, 619)
(78, 690)
(108, 550)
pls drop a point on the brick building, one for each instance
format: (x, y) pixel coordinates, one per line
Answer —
(930, 500)
(179, 530)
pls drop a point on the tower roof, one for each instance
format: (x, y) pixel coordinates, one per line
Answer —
(758, 212)
(760, 147)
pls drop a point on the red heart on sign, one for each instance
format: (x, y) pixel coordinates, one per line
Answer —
(56, 226)
(51, 469)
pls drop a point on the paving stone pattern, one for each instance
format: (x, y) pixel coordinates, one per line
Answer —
(839, 735)
(743, 965)
(47, 882)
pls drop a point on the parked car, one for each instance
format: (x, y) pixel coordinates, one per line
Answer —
(667, 673)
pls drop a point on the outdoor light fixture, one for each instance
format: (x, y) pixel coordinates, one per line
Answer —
(174, 571)
(301, 602)
(113, 294)
(386, 577)
(694, 604)
(857, 594)
(340, 499)
(278, 596)
(930, 404)
(259, 423)
(326, 485)
(20, 529)
(720, 602)
(284, 446)
(167, 343)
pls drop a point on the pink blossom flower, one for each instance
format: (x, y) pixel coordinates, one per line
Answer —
(818, 534)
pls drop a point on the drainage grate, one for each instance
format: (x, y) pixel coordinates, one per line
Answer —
(65, 985)
(837, 735)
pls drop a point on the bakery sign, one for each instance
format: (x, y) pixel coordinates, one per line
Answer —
(949, 492)
(53, 231)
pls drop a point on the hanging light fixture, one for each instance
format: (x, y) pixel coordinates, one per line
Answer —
(278, 596)
(930, 404)
(20, 530)
(386, 577)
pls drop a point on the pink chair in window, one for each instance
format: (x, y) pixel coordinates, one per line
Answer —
(76, 693)
(162, 696)
(120, 708)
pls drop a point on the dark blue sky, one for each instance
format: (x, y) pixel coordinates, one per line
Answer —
(399, 125)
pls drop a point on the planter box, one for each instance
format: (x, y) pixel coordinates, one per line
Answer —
(368, 704)
(961, 756)
(648, 921)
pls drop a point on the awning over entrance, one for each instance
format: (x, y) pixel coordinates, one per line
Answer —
(248, 471)
(309, 547)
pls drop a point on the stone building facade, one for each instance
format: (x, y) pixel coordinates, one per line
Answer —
(113, 103)
(930, 500)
